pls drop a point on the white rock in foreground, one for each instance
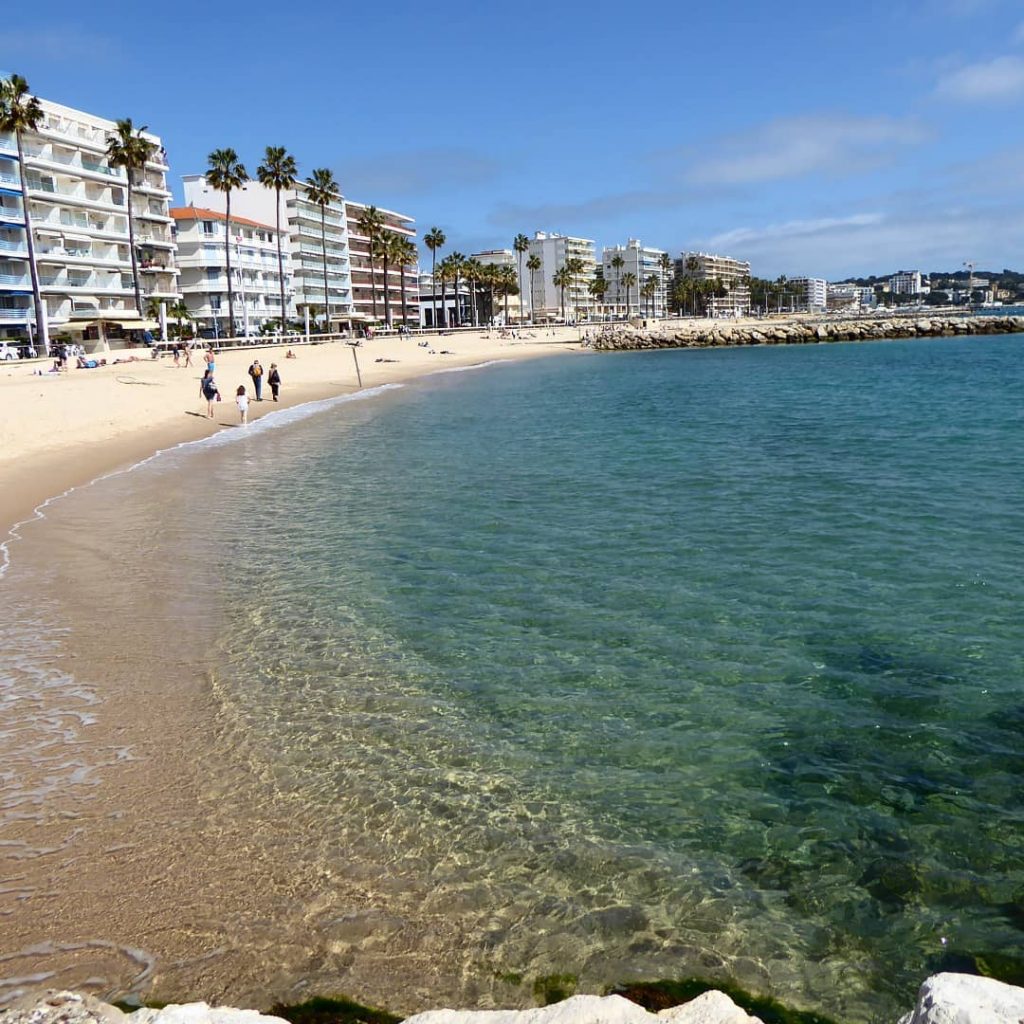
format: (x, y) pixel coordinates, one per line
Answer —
(709, 1008)
(966, 999)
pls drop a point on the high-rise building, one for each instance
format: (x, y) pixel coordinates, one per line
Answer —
(202, 240)
(907, 282)
(554, 252)
(77, 205)
(814, 292)
(643, 263)
(303, 239)
(732, 275)
(368, 285)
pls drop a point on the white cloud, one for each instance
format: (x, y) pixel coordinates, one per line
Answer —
(791, 229)
(795, 147)
(58, 43)
(931, 239)
(999, 79)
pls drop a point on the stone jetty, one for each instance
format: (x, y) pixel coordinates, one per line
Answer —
(795, 331)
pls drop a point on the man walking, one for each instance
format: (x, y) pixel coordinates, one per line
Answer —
(256, 372)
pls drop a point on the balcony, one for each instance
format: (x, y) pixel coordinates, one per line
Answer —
(15, 280)
(17, 316)
(16, 245)
(10, 179)
(8, 144)
(74, 194)
(9, 215)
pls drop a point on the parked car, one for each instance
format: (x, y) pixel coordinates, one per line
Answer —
(8, 353)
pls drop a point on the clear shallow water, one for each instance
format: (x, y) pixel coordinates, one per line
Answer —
(657, 664)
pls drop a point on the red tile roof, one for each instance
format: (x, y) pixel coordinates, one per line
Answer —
(201, 213)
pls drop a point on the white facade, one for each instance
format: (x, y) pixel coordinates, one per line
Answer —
(256, 284)
(369, 290)
(303, 239)
(77, 205)
(546, 297)
(846, 295)
(643, 263)
(733, 274)
(815, 293)
(906, 283)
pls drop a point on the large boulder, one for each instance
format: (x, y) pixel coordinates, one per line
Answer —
(966, 999)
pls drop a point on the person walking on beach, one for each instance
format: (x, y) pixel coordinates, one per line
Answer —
(208, 390)
(256, 372)
(274, 380)
(242, 401)
(187, 349)
(210, 359)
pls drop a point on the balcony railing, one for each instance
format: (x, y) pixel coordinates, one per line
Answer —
(11, 215)
(10, 179)
(20, 279)
(16, 315)
(6, 246)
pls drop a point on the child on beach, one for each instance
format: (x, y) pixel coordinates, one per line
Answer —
(208, 390)
(274, 380)
(242, 401)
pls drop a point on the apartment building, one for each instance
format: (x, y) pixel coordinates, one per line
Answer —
(369, 289)
(203, 244)
(511, 303)
(907, 282)
(813, 293)
(733, 275)
(77, 205)
(846, 295)
(554, 251)
(643, 263)
(303, 237)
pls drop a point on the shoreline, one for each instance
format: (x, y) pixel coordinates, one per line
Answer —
(121, 415)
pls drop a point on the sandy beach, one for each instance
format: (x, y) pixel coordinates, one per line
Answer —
(62, 430)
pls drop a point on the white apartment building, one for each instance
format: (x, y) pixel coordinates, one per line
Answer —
(369, 289)
(554, 251)
(643, 263)
(303, 242)
(907, 282)
(846, 295)
(814, 297)
(503, 258)
(77, 207)
(202, 240)
(733, 274)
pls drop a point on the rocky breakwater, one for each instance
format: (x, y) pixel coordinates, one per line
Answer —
(942, 999)
(721, 333)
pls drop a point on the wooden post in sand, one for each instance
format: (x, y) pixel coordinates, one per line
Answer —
(355, 359)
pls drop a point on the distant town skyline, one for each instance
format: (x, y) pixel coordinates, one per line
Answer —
(811, 141)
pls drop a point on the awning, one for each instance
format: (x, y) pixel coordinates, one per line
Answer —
(75, 238)
(46, 232)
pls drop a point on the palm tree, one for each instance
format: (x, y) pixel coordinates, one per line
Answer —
(560, 279)
(226, 172)
(666, 276)
(628, 280)
(20, 113)
(405, 255)
(385, 250)
(444, 274)
(651, 287)
(371, 223)
(180, 312)
(575, 267)
(533, 264)
(433, 240)
(598, 288)
(617, 262)
(508, 284)
(521, 246)
(472, 272)
(279, 172)
(322, 189)
(128, 149)
(458, 261)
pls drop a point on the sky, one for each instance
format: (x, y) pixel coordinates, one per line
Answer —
(818, 139)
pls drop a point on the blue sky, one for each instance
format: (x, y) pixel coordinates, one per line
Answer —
(811, 138)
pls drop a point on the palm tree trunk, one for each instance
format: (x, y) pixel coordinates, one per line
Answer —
(506, 308)
(280, 264)
(323, 247)
(433, 285)
(387, 304)
(373, 280)
(457, 313)
(42, 330)
(532, 273)
(227, 253)
(521, 290)
(131, 243)
(444, 305)
(405, 314)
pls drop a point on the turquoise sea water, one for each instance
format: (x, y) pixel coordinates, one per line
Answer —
(651, 664)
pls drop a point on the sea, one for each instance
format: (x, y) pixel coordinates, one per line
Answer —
(605, 666)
